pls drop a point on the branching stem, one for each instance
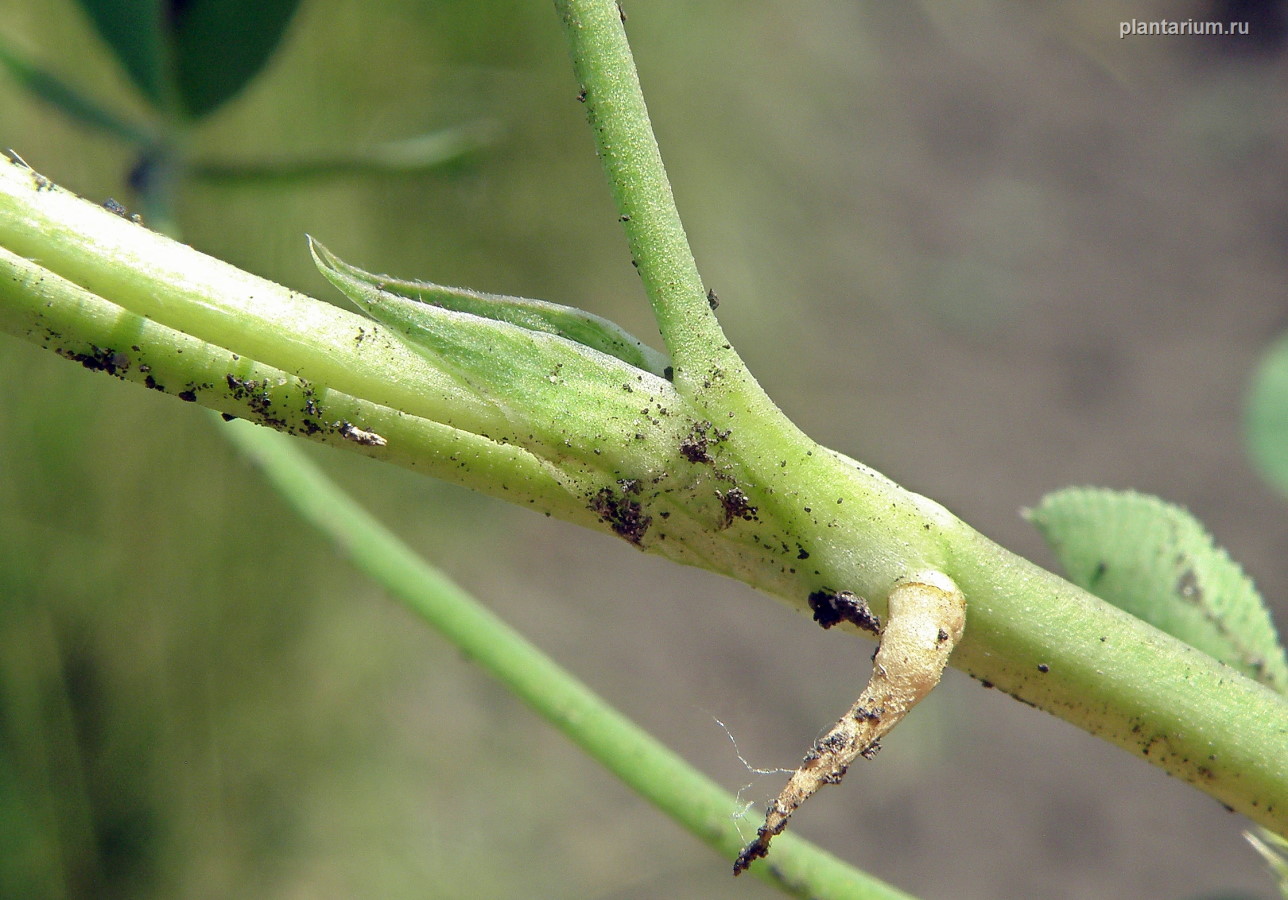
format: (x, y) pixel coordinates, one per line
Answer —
(759, 501)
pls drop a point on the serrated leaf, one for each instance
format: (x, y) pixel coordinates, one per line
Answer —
(1267, 416)
(1156, 561)
(566, 322)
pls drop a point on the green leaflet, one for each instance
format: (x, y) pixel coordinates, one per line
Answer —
(568, 322)
(561, 399)
(1155, 560)
(219, 46)
(135, 32)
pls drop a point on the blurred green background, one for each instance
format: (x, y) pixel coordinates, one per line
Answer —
(989, 248)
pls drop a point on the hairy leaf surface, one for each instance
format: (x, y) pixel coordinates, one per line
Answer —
(1156, 561)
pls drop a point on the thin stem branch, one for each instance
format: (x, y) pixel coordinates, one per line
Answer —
(621, 746)
(610, 89)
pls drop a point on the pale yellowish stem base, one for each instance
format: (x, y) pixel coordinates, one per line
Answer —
(927, 614)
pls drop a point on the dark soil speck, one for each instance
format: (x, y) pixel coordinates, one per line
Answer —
(625, 516)
(834, 607)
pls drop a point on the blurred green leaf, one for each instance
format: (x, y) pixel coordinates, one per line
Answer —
(1156, 561)
(54, 90)
(133, 30)
(1267, 416)
(420, 153)
(196, 54)
(1274, 850)
(220, 45)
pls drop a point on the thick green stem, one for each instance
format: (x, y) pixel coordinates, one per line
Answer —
(1031, 634)
(152, 276)
(1056, 647)
(619, 744)
(810, 520)
(308, 399)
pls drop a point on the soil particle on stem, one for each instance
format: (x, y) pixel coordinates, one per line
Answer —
(625, 516)
(834, 607)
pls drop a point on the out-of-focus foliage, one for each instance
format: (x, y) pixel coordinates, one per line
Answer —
(196, 54)
(1268, 416)
(1274, 850)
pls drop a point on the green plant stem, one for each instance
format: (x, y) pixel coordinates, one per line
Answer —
(629, 153)
(1028, 632)
(161, 280)
(68, 99)
(49, 310)
(1121, 679)
(422, 153)
(501, 469)
(617, 743)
